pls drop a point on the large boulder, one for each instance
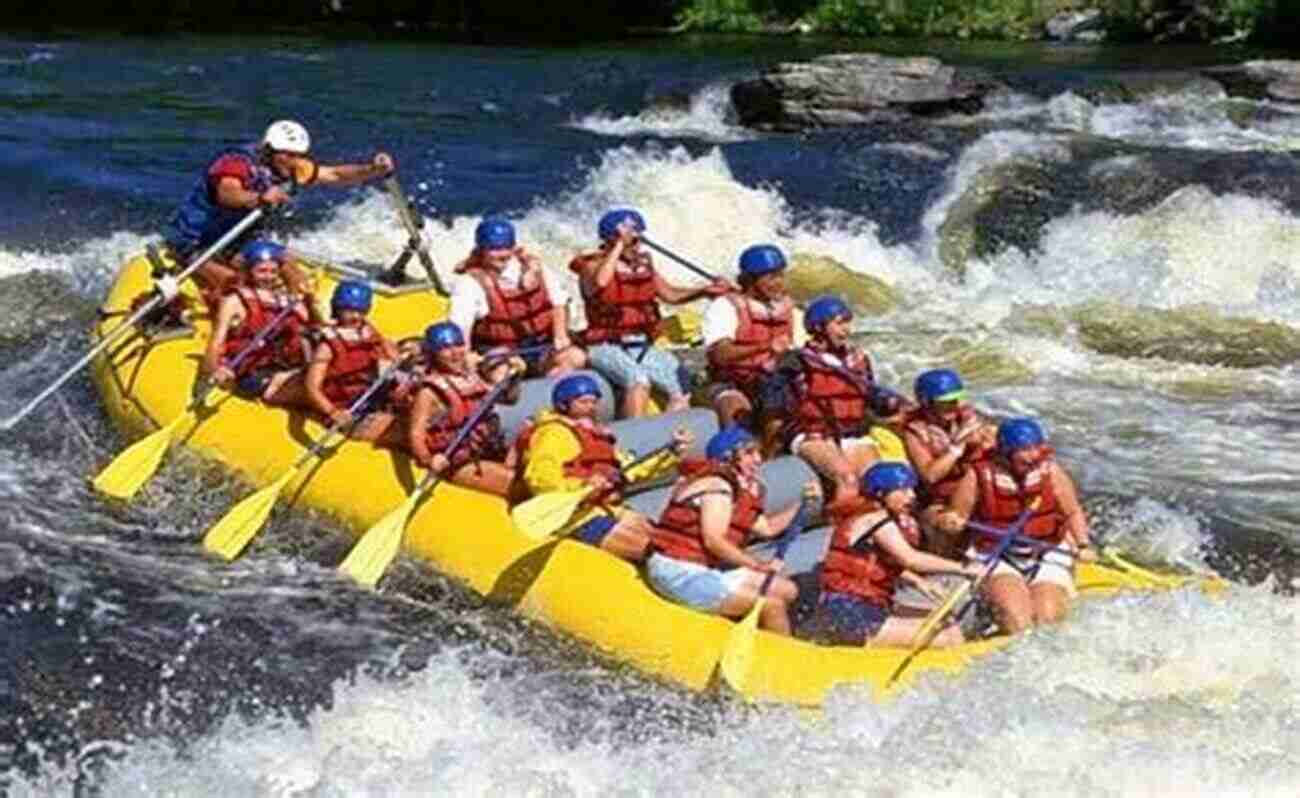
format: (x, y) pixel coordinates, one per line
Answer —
(812, 275)
(1085, 24)
(1274, 80)
(854, 88)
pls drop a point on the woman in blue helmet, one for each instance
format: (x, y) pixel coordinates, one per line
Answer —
(1034, 582)
(449, 391)
(621, 290)
(241, 178)
(503, 299)
(875, 546)
(347, 360)
(745, 335)
(697, 552)
(566, 449)
(244, 313)
(944, 437)
(832, 382)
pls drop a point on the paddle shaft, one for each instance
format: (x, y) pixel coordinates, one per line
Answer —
(462, 434)
(416, 244)
(520, 352)
(133, 319)
(337, 429)
(791, 531)
(674, 256)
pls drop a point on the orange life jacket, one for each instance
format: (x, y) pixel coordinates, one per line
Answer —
(599, 453)
(627, 306)
(460, 395)
(860, 568)
(678, 533)
(355, 362)
(759, 323)
(829, 403)
(1002, 498)
(937, 438)
(282, 348)
(514, 315)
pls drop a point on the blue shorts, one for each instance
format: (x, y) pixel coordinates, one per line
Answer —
(847, 620)
(626, 366)
(696, 586)
(253, 384)
(594, 532)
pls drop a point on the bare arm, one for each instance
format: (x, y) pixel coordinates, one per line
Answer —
(1076, 520)
(715, 518)
(891, 539)
(351, 174)
(422, 410)
(930, 468)
(315, 380)
(227, 316)
(728, 351)
(232, 194)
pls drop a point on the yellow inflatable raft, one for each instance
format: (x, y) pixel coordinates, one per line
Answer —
(576, 589)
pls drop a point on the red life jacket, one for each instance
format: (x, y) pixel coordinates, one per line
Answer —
(599, 453)
(355, 362)
(460, 395)
(282, 348)
(1002, 498)
(514, 314)
(627, 306)
(678, 533)
(759, 323)
(937, 438)
(861, 568)
(830, 404)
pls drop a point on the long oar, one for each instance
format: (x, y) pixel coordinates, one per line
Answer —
(701, 271)
(128, 472)
(369, 559)
(132, 320)
(231, 534)
(544, 515)
(934, 621)
(738, 657)
(413, 222)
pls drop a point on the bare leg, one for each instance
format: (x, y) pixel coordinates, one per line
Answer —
(373, 427)
(772, 437)
(1011, 602)
(559, 363)
(486, 476)
(827, 459)
(678, 402)
(945, 544)
(899, 632)
(629, 537)
(1051, 602)
(636, 399)
(732, 407)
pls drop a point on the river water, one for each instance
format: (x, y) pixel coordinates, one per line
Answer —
(1128, 271)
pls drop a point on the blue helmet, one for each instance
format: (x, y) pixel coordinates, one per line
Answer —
(726, 441)
(611, 221)
(260, 249)
(882, 478)
(442, 335)
(823, 310)
(494, 233)
(938, 385)
(352, 295)
(886, 402)
(1017, 433)
(575, 386)
(761, 259)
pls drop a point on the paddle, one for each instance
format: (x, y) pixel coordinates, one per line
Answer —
(144, 310)
(544, 515)
(128, 472)
(413, 222)
(368, 560)
(674, 256)
(934, 621)
(231, 534)
(738, 656)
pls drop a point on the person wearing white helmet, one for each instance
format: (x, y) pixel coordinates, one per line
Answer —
(241, 178)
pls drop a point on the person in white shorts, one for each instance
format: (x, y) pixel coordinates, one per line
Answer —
(697, 547)
(831, 384)
(1034, 582)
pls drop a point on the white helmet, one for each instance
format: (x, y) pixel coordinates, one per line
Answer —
(287, 135)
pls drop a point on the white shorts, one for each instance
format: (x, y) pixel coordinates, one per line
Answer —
(1052, 567)
(845, 443)
(696, 586)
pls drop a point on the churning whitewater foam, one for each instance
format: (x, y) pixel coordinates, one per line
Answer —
(708, 116)
(1138, 695)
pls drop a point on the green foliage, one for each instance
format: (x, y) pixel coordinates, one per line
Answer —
(728, 16)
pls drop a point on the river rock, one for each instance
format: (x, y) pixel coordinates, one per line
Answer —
(813, 275)
(1083, 25)
(854, 88)
(1274, 80)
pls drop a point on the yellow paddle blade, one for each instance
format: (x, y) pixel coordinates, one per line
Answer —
(738, 657)
(542, 516)
(682, 329)
(231, 534)
(368, 560)
(128, 472)
(889, 445)
(930, 628)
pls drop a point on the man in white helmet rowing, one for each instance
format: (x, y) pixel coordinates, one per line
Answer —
(248, 176)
